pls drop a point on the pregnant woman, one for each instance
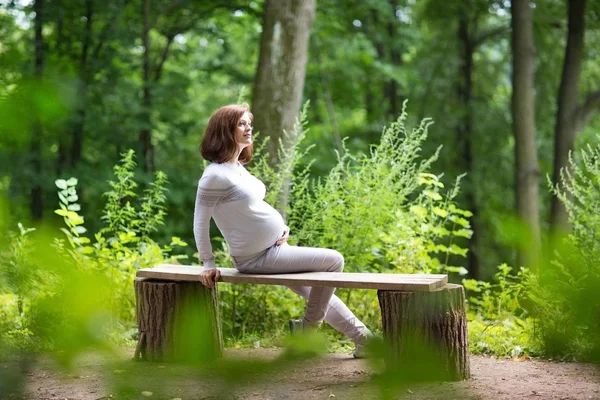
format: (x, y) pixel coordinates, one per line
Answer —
(255, 232)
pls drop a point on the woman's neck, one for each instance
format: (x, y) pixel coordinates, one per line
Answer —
(234, 160)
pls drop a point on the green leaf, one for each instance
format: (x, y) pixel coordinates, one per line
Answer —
(74, 207)
(62, 213)
(87, 250)
(471, 284)
(438, 211)
(466, 233)
(433, 195)
(459, 221)
(418, 210)
(175, 241)
(72, 198)
(72, 182)
(61, 183)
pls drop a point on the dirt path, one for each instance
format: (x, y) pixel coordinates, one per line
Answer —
(335, 376)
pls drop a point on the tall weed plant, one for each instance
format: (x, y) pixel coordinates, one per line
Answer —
(384, 211)
(498, 318)
(76, 289)
(21, 283)
(124, 244)
(566, 298)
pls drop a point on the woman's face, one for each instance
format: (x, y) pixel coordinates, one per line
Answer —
(243, 131)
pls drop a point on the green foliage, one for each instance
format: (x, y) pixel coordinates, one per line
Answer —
(47, 292)
(498, 322)
(385, 210)
(21, 283)
(566, 299)
(123, 245)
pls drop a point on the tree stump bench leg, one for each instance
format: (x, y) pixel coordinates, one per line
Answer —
(426, 333)
(177, 321)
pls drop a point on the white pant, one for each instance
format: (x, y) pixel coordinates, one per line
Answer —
(322, 303)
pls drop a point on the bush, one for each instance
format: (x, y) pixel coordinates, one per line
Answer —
(498, 321)
(79, 291)
(566, 300)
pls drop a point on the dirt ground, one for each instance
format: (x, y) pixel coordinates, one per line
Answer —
(333, 376)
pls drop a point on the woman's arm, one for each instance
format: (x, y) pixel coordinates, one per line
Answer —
(208, 196)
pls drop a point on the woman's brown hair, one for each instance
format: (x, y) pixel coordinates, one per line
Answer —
(218, 144)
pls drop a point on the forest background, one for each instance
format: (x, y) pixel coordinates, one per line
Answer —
(512, 89)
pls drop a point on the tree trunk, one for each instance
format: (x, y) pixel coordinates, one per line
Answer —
(566, 126)
(426, 334)
(37, 206)
(84, 78)
(523, 111)
(279, 80)
(372, 29)
(465, 135)
(396, 61)
(146, 131)
(78, 124)
(177, 321)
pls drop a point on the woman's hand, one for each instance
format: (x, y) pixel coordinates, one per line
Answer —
(210, 277)
(283, 238)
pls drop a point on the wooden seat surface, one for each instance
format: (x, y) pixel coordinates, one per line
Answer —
(353, 280)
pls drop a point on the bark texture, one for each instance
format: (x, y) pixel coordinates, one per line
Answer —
(527, 170)
(466, 135)
(37, 205)
(146, 131)
(426, 333)
(566, 124)
(177, 321)
(281, 69)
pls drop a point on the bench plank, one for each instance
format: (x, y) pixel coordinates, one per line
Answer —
(353, 280)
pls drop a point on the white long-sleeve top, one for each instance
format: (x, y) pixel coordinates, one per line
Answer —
(234, 198)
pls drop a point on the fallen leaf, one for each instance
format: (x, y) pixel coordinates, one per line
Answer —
(146, 393)
(410, 391)
(331, 395)
(118, 371)
(161, 366)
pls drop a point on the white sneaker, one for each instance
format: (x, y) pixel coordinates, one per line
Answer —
(299, 326)
(360, 349)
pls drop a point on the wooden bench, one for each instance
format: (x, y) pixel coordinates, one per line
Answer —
(420, 313)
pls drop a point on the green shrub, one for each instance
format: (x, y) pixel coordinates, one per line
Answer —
(52, 296)
(566, 300)
(21, 283)
(124, 244)
(498, 322)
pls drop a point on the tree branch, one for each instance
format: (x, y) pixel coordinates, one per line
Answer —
(163, 57)
(165, 11)
(585, 111)
(107, 29)
(483, 37)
